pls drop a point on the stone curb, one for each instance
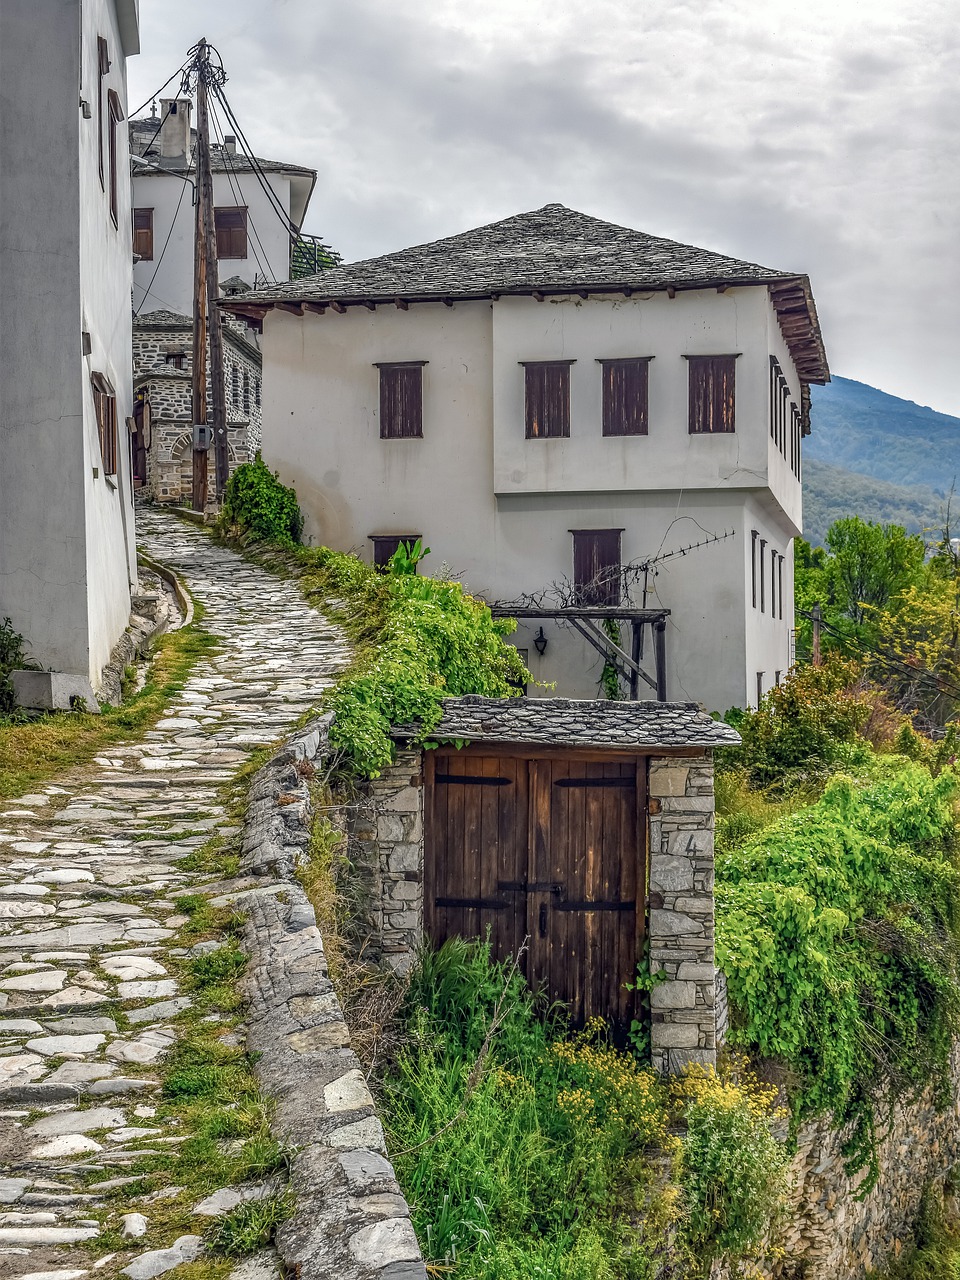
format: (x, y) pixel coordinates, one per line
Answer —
(350, 1219)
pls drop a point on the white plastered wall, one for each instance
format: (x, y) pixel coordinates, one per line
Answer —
(321, 432)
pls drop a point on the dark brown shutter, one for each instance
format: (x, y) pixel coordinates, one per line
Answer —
(384, 545)
(547, 397)
(625, 396)
(401, 401)
(231, 229)
(596, 566)
(105, 405)
(103, 66)
(116, 115)
(712, 394)
(143, 234)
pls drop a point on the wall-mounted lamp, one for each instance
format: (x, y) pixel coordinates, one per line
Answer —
(540, 642)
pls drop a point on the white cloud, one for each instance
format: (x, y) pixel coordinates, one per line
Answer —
(819, 140)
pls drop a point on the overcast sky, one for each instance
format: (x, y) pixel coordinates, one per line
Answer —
(817, 136)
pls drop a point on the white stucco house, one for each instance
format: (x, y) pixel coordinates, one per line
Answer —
(561, 407)
(255, 203)
(67, 548)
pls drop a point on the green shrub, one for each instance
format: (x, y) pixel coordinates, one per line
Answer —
(260, 507)
(837, 928)
(13, 657)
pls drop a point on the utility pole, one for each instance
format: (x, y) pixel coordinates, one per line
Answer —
(206, 312)
(815, 614)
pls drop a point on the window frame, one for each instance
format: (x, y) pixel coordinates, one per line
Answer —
(720, 399)
(105, 411)
(221, 213)
(593, 591)
(754, 536)
(561, 405)
(103, 68)
(401, 399)
(115, 115)
(143, 236)
(610, 404)
(763, 576)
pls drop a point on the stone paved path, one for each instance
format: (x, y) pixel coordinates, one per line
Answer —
(88, 882)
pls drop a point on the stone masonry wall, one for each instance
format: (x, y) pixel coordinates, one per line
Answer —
(683, 1010)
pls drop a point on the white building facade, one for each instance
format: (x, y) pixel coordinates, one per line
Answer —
(551, 396)
(253, 238)
(67, 547)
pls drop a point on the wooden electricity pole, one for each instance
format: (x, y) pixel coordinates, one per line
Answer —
(817, 618)
(206, 311)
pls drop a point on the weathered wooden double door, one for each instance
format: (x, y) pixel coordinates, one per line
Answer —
(548, 849)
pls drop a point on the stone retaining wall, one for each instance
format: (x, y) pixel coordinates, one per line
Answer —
(350, 1218)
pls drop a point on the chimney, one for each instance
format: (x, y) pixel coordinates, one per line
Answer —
(175, 130)
(230, 143)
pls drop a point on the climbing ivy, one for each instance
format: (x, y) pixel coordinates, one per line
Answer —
(837, 928)
(257, 505)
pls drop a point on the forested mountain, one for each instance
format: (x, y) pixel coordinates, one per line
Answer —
(876, 456)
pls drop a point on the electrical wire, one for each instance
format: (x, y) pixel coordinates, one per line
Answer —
(267, 272)
(179, 72)
(268, 190)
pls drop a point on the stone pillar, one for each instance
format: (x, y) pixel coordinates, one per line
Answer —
(388, 845)
(681, 801)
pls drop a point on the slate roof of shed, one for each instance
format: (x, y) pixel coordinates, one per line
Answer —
(568, 722)
(162, 318)
(549, 250)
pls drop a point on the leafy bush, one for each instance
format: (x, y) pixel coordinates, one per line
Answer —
(539, 1154)
(13, 657)
(837, 928)
(418, 641)
(260, 507)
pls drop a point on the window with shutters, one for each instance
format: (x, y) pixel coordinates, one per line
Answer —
(231, 229)
(547, 398)
(401, 400)
(763, 576)
(625, 396)
(105, 407)
(246, 391)
(753, 565)
(115, 112)
(143, 234)
(103, 66)
(712, 397)
(386, 544)
(596, 566)
(235, 381)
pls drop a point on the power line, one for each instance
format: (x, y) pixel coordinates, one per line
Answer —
(234, 187)
(173, 223)
(179, 72)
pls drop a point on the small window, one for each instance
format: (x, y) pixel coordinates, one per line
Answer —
(385, 545)
(759, 687)
(116, 115)
(625, 396)
(143, 234)
(753, 564)
(246, 391)
(103, 67)
(776, 678)
(596, 566)
(231, 229)
(105, 406)
(711, 395)
(177, 358)
(401, 400)
(547, 398)
(257, 393)
(235, 380)
(773, 584)
(780, 586)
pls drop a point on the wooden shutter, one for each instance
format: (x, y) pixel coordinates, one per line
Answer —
(385, 544)
(143, 234)
(547, 398)
(625, 396)
(105, 405)
(103, 66)
(231, 229)
(596, 566)
(712, 394)
(116, 115)
(401, 401)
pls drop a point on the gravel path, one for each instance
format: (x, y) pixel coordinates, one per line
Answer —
(89, 876)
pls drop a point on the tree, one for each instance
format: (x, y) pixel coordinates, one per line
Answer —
(870, 565)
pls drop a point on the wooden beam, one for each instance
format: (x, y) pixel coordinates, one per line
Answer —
(671, 291)
(623, 612)
(318, 308)
(295, 308)
(338, 307)
(401, 304)
(371, 306)
(582, 293)
(447, 302)
(538, 295)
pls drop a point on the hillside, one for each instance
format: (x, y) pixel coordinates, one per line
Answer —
(876, 456)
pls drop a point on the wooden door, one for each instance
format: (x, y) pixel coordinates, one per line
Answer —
(547, 849)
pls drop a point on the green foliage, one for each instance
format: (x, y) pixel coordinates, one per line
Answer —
(260, 507)
(250, 1226)
(418, 641)
(935, 1254)
(830, 493)
(837, 928)
(609, 677)
(806, 724)
(533, 1153)
(406, 557)
(13, 657)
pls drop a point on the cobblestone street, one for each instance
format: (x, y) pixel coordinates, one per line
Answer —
(89, 879)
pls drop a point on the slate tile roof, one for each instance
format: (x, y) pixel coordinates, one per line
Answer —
(549, 248)
(162, 319)
(568, 722)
